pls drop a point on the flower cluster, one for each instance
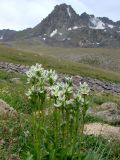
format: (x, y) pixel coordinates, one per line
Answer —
(36, 74)
(84, 88)
(44, 83)
(40, 79)
(52, 77)
(65, 120)
(61, 92)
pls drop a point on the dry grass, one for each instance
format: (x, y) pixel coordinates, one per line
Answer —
(49, 57)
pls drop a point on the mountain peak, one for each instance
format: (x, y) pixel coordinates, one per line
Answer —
(65, 9)
(106, 20)
(60, 19)
(64, 27)
(85, 18)
(63, 5)
(84, 14)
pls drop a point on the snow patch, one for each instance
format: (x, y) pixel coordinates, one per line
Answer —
(110, 26)
(75, 27)
(44, 39)
(97, 23)
(69, 29)
(68, 11)
(1, 38)
(53, 33)
(60, 34)
(68, 38)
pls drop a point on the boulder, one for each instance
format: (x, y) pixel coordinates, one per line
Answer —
(109, 106)
(6, 110)
(109, 112)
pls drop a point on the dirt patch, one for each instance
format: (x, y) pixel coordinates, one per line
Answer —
(106, 131)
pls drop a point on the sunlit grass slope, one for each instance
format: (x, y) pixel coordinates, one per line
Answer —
(61, 65)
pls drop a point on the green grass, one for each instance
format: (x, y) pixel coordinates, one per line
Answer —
(104, 58)
(99, 99)
(14, 93)
(28, 58)
(16, 133)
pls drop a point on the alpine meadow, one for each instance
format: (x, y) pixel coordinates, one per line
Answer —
(59, 81)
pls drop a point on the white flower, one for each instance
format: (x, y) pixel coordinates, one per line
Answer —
(35, 90)
(52, 76)
(66, 88)
(78, 98)
(26, 133)
(68, 80)
(84, 89)
(69, 102)
(28, 94)
(36, 74)
(60, 101)
(55, 90)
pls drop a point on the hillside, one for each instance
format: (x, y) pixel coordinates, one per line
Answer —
(62, 65)
(108, 59)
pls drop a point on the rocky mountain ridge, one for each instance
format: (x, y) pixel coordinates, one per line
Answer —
(64, 27)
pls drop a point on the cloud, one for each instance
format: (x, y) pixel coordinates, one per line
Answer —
(24, 13)
(104, 8)
(21, 14)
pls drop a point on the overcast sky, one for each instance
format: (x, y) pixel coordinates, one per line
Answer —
(21, 14)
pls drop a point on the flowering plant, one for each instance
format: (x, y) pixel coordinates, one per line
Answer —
(70, 106)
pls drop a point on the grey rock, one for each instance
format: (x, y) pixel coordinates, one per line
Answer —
(95, 85)
(109, 112)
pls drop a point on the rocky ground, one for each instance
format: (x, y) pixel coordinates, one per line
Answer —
(98, 129)
(95, 85)
(108, 112)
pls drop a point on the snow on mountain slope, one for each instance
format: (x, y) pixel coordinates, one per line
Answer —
(68, 11)
(53, 33)
(96, 23)
(1, 37)
(64, 27)
(110, 26)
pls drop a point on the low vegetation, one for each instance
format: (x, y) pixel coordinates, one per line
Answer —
(21, 138)
(45, 129)
(103, 58)
(61, 65)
